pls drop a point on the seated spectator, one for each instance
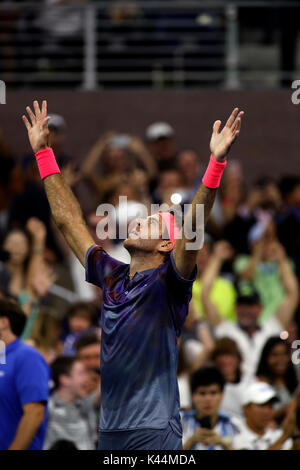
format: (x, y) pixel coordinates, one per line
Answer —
(205, 427)
(263, 267)
(247, 333)
(288, 222)
(221, 291)
(44, 335)
(24, 389)
(276, 368)
(88, 348)
(160, 137)
(71, 412)
(81, 318)
(254, 433)
(227, 358)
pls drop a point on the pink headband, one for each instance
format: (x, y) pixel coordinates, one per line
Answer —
(173, 229)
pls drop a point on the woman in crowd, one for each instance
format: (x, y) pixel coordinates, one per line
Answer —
(276, 368)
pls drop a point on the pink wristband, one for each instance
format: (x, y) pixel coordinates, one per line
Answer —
(213, 174)
(46, 162)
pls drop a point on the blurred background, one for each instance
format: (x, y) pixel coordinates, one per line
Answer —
(133, 89)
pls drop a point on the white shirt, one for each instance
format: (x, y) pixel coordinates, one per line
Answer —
(250, 347)
(249, 440)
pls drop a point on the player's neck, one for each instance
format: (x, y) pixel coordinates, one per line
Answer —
(143, 261)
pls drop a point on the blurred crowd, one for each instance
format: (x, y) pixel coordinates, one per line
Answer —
(238, 368)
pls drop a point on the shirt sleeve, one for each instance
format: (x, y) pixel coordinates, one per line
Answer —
(180, 293)
(32, 378)
(99, 265)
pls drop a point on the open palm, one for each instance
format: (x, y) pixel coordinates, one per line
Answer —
(37, 128)
(221, 141)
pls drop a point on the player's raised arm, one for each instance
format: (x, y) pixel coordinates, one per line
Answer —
(64, 206)
(220, 144)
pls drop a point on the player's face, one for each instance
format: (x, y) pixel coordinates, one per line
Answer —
(258, 416)
(207, 399)
(145, 233)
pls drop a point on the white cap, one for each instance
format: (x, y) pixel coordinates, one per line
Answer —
(158, 130)
(258, 393)
(57, 121)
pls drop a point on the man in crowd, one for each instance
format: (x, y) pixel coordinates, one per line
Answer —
(24, 385)
(205, 427)
(88, 348)
(254, 433)
(71, 412)
(247, 333)
(144, 303)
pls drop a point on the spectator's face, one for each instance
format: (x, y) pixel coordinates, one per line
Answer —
(17, 245)
(79, 322)
(188, 164)
(169, 180)
(115, 159)
(278, 359)
(163, 148)
(258, 416)
(78, 380)
(228, 365)
(90, 356)
(247, 315)
(207, 399)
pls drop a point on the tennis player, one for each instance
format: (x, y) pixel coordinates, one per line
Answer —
(144, 304)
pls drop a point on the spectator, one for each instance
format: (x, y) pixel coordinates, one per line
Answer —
(205, 427)
(276, 368)
(255, 434)
(24, 386)
(81, 318)
(227, 358)
(263, 267)
(71, 412)
(161, 141)
(88, 347)
(221, 291)
(247, 333)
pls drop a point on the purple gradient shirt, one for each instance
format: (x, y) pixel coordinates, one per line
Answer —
(141, 319)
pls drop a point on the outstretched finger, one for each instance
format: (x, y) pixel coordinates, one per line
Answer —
(31, 115)
(216, 127)
(44, 108)
(26, 122)
(37, 109)
(232, 117)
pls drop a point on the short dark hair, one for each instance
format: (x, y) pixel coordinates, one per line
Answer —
(10, 309)
(288, 184)
(86, 306)
(207, 376)
(62, 365)
(86, 340)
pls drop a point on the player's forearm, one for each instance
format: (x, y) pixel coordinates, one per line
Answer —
(27, 429)
(63, 204)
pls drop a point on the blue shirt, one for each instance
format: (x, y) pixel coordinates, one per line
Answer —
(224, 428)
(23, 379)
(140, 319)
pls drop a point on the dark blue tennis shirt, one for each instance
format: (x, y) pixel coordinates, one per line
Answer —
(141, 319)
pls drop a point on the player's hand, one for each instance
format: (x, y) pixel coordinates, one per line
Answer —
(37, 127)
(221, 141)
